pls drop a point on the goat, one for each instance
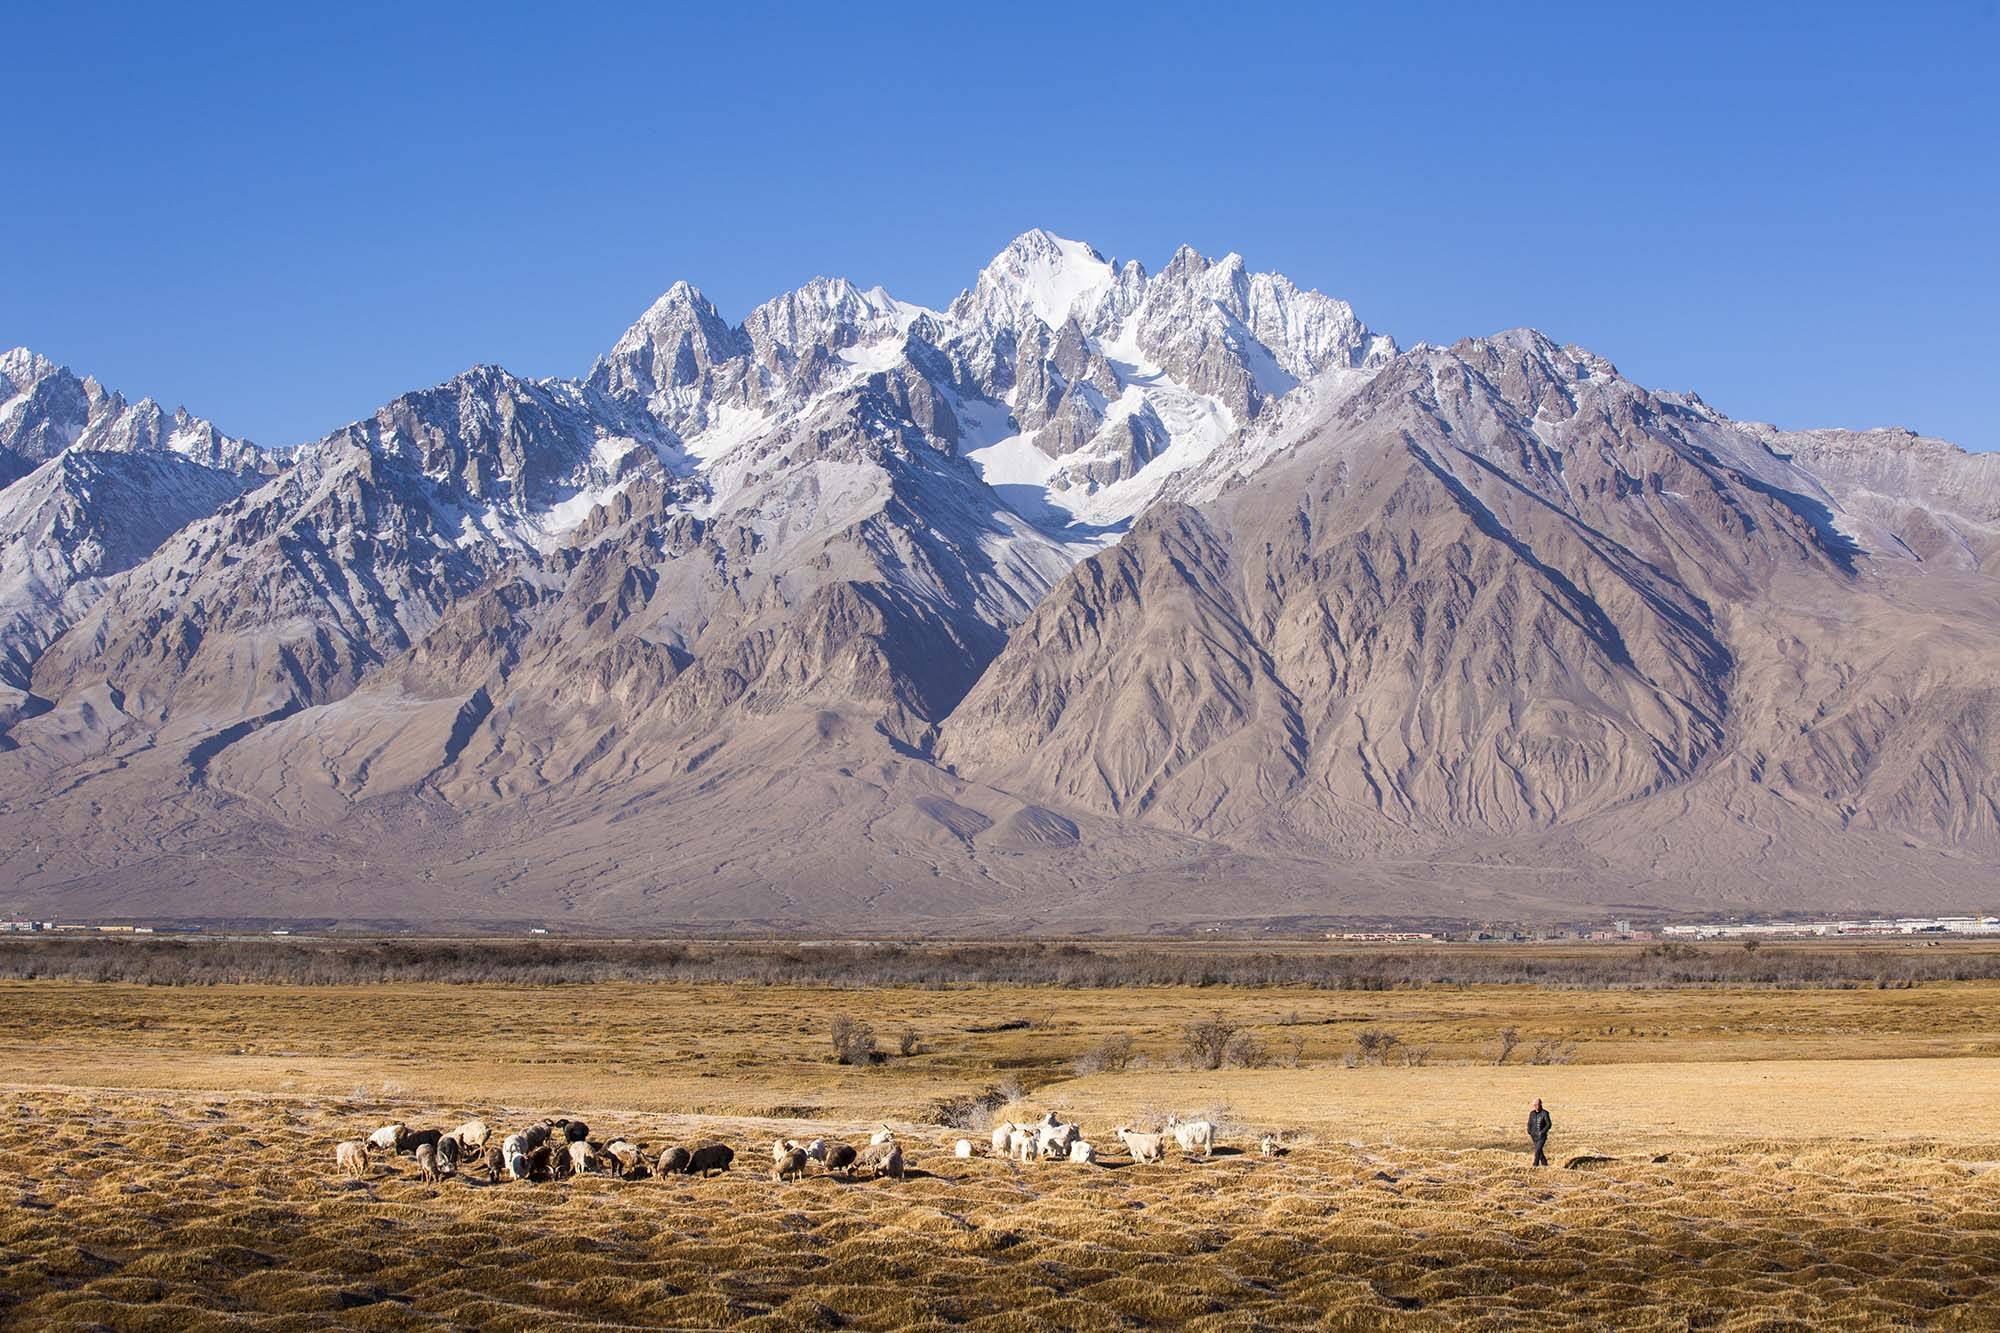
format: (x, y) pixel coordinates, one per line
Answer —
(673, 1162)
(427, 1163)
(389, 1138)
(1082, 1152)
(1143, 1147)
(1021, 1143)
(1053, 1137)
(962, 1149)
(1193, 1135)
(791, 1166)
(881, 1136)
(1003, 1134)
(840, 1157)
(447, 1155)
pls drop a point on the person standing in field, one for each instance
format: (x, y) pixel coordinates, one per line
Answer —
(1539, 1124)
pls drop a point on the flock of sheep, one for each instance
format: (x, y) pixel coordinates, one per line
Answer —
(560, 1148)
(545, 1150)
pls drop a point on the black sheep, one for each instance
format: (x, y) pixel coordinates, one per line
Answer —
(710, 1157)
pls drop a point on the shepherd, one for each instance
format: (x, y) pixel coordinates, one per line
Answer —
(1538, 1132)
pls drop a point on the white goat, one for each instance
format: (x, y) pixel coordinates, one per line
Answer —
(1143, 1147)
(1082, 1152)
(1193, 1135)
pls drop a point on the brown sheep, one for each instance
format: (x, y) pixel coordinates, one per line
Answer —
(673, 1162)
(351, 1158)
(791, 1166)
(496, 1165)
(840, 1157)
(885, 1159)
(427, 1164)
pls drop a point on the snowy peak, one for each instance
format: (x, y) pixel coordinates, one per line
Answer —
(1038, 274)
(46, 409)
(677, 340)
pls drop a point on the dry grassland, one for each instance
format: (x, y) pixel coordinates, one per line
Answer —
(1780, 1159)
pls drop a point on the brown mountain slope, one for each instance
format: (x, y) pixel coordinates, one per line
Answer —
(1500, 592)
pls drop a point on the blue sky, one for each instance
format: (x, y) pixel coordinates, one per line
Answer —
(284, 219)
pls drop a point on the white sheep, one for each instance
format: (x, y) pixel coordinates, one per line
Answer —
(351, 1157)
(627, 1154)
(1003, 1134)
(1143, 1147)
(962, 1149)
(389, 1138)
(1193, 1135)
(816, 1150)
(471, 1137)
(515, 1149)
(881, 1136)
(581, 1158)
(1082, 1152)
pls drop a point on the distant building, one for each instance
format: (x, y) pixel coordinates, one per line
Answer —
(1381, 936)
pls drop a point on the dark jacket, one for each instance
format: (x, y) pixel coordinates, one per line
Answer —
(1538, 1125)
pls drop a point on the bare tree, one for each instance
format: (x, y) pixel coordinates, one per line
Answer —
(1509, 1039)
(1205, 1044)
(1374, 1044)
(853, 1041)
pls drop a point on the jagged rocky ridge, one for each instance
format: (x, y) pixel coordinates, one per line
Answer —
(1097, 599)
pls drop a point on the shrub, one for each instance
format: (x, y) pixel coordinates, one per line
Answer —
(910, 1043)
(853, 1041)
(1509, 1039)
(1113, 1055)
(1246, 1052)
(1373, 1045)
(1205, 1044)
(1552, 1051)
(1295, 1049)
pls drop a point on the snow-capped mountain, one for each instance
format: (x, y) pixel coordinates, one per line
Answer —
(1089, 593)
(45, 409)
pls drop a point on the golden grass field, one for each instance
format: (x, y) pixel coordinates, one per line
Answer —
(1779, 1159)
